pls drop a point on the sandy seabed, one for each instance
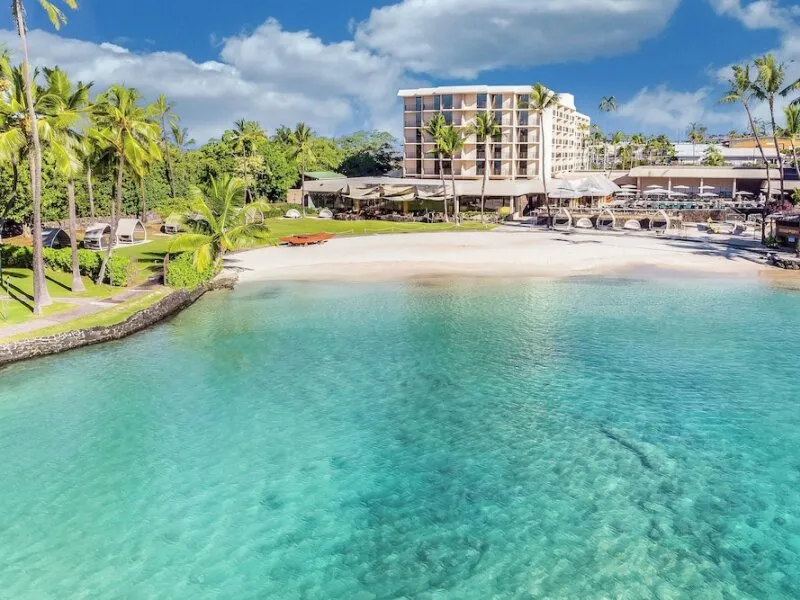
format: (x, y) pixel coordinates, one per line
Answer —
(502, 253)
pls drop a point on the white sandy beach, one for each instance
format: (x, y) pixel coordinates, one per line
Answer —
(500, 253)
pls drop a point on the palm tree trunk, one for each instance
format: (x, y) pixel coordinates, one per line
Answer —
(167, 159)
(455, 196)
(444, 188)
(794, 159)
(303, 184)
(542, 173)
(143, 197)
(77, 282)
(116, 210)
(766, 165)
(485, 177)
(41, 297)
(90, 190)
(775, 139)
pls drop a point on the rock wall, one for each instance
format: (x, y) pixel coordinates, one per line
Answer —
(178, 300)
(784, 262)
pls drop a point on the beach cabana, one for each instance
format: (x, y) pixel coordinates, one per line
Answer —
(325, 213)
(292, 213)
(632, 225)
(584, 223)
(131, 231)
(606, 219)
(55, 237)
(97, 236)
(174, 223)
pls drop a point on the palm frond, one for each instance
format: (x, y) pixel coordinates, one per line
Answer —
(188, 242)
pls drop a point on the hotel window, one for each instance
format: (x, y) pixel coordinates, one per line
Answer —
(498, 117)
(498, 152)
(481, 167)
(482, 100)
(419, 136)
(481, 152)
(419, 166)
(497, 168)
(448, 117)
(523, 136)
(523, 168)
(418, 103)
(524, 100)
(418, 120)
(523, 152)
(437, 103)
(447, 102)
(523, 118)
(497, 101)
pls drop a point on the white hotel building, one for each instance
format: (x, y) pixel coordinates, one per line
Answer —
(515, 155)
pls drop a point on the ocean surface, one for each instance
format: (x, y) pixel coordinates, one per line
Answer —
(433, 439)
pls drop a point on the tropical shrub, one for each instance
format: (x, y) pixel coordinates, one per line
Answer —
(180, 272)
(21, 257)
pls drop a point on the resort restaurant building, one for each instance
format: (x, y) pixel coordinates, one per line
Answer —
(692, 180)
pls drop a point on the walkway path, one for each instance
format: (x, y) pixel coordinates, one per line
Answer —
(84, 307)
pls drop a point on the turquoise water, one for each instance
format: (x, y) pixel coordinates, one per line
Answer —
(465, 440)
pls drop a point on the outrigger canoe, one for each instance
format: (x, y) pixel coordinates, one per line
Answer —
(306, 240)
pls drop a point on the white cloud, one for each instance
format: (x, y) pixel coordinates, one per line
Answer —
(461, 38)
(271, 75)
(760, 14)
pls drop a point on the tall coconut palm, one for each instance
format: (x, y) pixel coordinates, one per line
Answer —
(68, 105)
(697, 135)
(128, 133)
(741, 90)
(451, 143)
(768, 84)
(616, 141)
(246, 134)
(41, 297)
(434, 128)
(485, 129)
(301, 141)
(164, 109)
(792, 131)
(543, 100)
(181, 138)
(638, 142)
(608, 104)
(226, 222)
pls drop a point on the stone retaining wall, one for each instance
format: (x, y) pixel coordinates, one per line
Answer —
(16, 351)
(784, 262)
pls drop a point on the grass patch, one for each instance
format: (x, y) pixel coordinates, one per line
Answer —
(104, 318)
(283, 227)
(19, 308)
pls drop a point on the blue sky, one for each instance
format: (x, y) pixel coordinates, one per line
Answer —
(338, 65)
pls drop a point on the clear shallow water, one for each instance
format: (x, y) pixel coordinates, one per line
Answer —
(582, 439)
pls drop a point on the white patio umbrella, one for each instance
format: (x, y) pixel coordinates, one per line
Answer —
(625, 193)
(658, 192)
(744, 194)
(681, 187)
(707, 187)
(678, 194)
(707, 195)
(654, 187)
(629, 186)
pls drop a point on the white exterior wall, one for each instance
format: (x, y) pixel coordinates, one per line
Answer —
(515, 157)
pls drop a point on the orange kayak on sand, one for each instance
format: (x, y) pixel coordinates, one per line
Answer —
(306, 240)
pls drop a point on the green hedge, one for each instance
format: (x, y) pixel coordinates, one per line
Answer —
(118, 270)
(181, 272)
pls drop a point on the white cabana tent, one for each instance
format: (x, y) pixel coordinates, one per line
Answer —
(292, 213)
(55, 237)
(131, 231)
(97, 236)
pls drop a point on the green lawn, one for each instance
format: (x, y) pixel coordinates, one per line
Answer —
(19, 307)
(110, 316)
(282, 227)
(149, 256)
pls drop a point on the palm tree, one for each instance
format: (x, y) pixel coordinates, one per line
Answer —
(451, 143)
(625, 153)
(41, 297)
(768, 84)
(792, 131)
(697, 135)
(608, 104)
(485, 129)
(181, 138)
(638, 141)
(246, 134)
(68, 104)
(226, 222)
(164, 110)
(301, 140)
(128, 133)
(617, 139)
(541, 101)
(741, 90)
(435, 129)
